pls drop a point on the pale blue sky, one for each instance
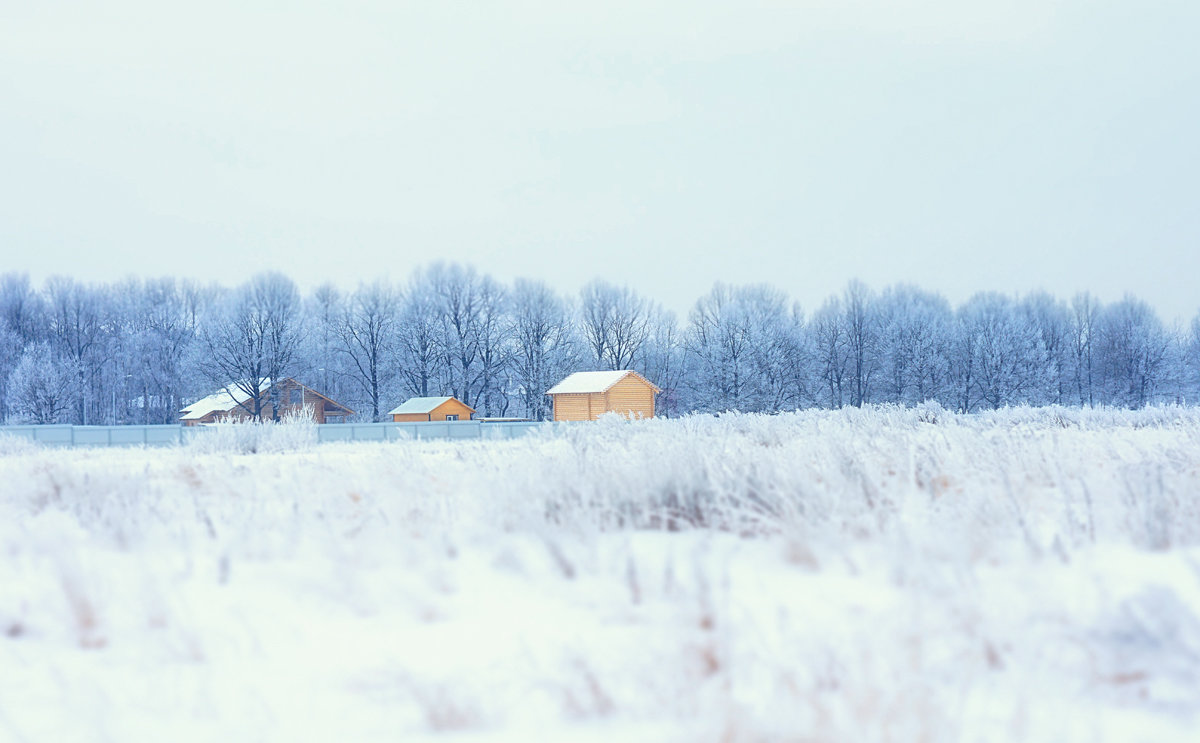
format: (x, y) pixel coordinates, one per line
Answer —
(961, 146)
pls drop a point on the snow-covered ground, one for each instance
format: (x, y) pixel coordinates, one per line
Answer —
(873, 575)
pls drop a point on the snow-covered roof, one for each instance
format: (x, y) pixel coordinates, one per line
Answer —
(422, 405)
(582, 383)
(223, 401)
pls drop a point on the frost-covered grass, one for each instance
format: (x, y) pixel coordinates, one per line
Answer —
(884, 574)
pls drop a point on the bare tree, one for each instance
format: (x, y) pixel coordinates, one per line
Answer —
(41, 389)
(321, 357)
(615, 322)
(830, 349)
(254, 342)
(1192, 361)
(77, 335)
(458, 302)
(663, 362)
(1051, 320)
(1084, 312)
(915, 333)
(419, 347)
(739, 341)
(22, 308)
(160, 335)
(1009, 358)
(367, 331)
(1134, 349)
(10, 355)
(490, 336)
(861, 323)
(543, 347)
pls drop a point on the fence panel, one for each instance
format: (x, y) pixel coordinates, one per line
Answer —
(90, 436)
(54, 435)
(169, 435)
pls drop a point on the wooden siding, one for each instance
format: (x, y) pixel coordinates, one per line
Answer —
(305, 402)
(630, 397)
(450, 407)
(570, 407)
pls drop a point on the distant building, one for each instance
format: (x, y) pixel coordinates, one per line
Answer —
(233, 404)
(417, 409)
(585, 396)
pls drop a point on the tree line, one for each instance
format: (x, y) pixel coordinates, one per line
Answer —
(137, 351)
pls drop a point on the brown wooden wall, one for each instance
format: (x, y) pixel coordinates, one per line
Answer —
(577, 407)
(450, 407)
(307, 399)
(630, 397)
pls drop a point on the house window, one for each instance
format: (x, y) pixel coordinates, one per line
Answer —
(297, 397)
(452, 417)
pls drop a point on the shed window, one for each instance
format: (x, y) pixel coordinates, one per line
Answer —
(452, 417)
(297, 396)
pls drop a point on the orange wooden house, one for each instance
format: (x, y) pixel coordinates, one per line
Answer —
(420, 409)
(585, 396)
(233, 404)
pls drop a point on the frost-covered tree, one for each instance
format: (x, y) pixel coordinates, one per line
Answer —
(1192, 363)
(22, 309)
(367, 333)
(320, 360)
(543, 344)
(466, 308)
(494, 383)
(157, 334)
(960, 363)
(830, 352)
(615, 323)
(419, 339)
(1134, 350)
(1051, 320)
(1084, 313)
(10, 354)
(254, 339)
(862, 333)
(663, 363)
(41, 388)
(916, 329)
(77, 334)
(1009, 359)
(739, 342)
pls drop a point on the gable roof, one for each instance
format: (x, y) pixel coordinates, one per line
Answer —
(220, 402)
(582, 383)
(422, 405)
(232, 396)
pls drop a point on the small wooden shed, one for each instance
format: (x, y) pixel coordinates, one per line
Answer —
(420, 409)
(585, 396)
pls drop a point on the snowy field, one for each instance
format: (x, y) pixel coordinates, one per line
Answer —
(876, 575)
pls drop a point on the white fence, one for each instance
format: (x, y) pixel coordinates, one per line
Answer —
(167, 435)
(439, 430)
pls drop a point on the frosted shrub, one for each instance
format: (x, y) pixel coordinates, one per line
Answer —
(252, 437)
(13, 445)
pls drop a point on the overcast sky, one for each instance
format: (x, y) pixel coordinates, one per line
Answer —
(962, 146)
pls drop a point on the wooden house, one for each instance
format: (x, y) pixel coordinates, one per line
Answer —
(234, 404)
(420, 409)
(585, 396)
